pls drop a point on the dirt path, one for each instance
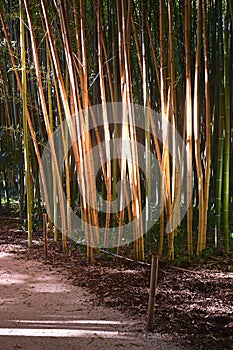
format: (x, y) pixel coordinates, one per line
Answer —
(39, 310)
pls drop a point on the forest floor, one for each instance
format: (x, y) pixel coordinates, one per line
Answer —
(58, 297)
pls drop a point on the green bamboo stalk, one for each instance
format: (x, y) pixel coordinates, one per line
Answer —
(219, 175)
(25, 126)
(226, 166)
(29, 119)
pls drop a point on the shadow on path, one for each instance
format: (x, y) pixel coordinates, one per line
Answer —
(40, 310)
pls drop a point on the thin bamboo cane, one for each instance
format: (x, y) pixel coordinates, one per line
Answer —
(90, 180)
(86, 168)
(153, 54)
(133, 160)
(226, 166)
(208, 131)
(30, 124)
(175, 183)
(148, 111)
(165, 114)
(64, 141)
(67, 169)
(25, 126)
(46, 119)
(77, 146)
(50, 113)
(105, 121)
(219, 175)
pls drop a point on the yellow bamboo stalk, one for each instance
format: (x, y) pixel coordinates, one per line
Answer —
(174, 182)
(196, 126)
(78, 147)
(207, 122)
(105, 121)
(67, 169)
(148, 111)
(165, 112)
(90, 179)
(133, 160)
(189, 123)
(64, 140)
(46, 119)
(146, 104)
(50, 113)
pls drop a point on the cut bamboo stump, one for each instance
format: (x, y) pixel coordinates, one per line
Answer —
(45, 236)
(153, 285)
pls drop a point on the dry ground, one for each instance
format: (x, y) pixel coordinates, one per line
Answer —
(194, 304)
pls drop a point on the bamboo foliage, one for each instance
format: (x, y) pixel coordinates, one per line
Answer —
(162, 55)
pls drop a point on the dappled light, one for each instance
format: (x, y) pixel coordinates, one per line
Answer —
(45, 284)
(8, 279)
(88, 322)
(66, 328)
(38, 332)
(116, 174)
(202, 298)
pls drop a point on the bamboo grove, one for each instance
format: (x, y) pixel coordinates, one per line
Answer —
(61, 58)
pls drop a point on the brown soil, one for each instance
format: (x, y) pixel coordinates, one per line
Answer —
(194, 304)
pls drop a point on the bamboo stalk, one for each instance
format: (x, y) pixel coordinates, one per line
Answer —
(196, 125)
(189, 124)
(226, 166)
(153, 286)
(45, 236)
(29, 120)
(219, 175)
(105, 122)
(25, 126)
(46, 119)
(208, 131)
